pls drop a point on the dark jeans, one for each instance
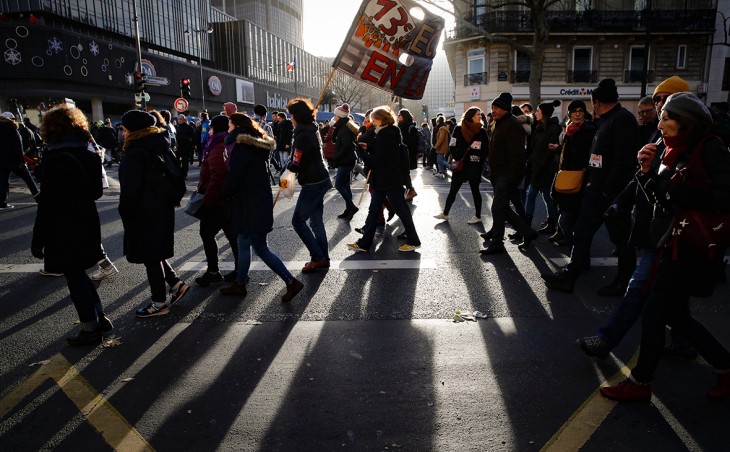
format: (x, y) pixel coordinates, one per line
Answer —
(550, 207)
(401, 208)
(20, 171)
(566, 222)
(590, 219)
(342, 184)
(310, 206)
(456, 182)
(214, 220)
(157, 274)
(184, 158)
(261, 248)
(84, 296)
(505, 188)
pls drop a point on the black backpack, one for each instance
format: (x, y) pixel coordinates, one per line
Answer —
(169, 179)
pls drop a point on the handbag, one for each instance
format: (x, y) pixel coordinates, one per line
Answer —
(458, 165)
(195, 204)
(568, 181)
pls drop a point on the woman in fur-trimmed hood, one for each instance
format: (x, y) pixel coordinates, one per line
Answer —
(253, 204)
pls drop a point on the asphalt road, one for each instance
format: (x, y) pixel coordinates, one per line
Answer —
(366, 357)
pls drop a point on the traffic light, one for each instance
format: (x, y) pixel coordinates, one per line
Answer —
(185, 87)
(424, 110)
(139, 82)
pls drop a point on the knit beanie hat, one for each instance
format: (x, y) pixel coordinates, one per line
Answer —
(230, 108)
(342, 111)
(503, 101)
(576, 104)
(219, 124)
(673, 84)
(606, 91)
(135, 120)
(687, 105)
(548, 108)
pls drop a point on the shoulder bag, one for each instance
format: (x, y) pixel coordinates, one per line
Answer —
(568, 181)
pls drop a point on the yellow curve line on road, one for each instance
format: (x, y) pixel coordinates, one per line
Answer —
(581, 425)
(115, 430)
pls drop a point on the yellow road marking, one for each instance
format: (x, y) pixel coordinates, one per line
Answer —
(581, 425)
(115, 430)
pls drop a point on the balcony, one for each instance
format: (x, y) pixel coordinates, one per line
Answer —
(479, 78)
(519, 76)
(582, 77)
(595, 21)
(636, 76)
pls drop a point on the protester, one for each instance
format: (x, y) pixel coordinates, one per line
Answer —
(67, 231)
(410, 136)
(11, 159)
(147, 216)
(284, 140)
(186, 142)
(344, 134)
(253, 206)
(441, 147)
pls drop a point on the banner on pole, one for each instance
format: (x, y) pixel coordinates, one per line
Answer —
(389, 47)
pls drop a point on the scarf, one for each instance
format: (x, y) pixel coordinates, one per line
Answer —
(675, 149)
(573, 128)
(141, 133)
(470, 129)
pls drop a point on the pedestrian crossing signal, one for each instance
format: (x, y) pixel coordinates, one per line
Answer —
(185, 87)
(139, 82)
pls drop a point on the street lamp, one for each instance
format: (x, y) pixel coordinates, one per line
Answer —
(197, 32)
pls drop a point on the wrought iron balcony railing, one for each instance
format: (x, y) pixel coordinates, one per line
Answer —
(479, 78)
(519, 76)
(582, 77)
(636, 76)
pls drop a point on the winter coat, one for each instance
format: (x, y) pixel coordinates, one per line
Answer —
(542, 161)
(328, 143)
(475, 151)
(67, 224)
(286, 133)
(11, 145)
(344, 135)
(307, 159)
(186, 139)
(148, 219)
(213, 172)
(387, 160)
(613, 154)
(575, 157)
(248, 184)
(410, 134)
(507, 150)
(442, 140)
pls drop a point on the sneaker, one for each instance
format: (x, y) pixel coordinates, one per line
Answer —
(356, 247)
(407, 247)
(209, 278)
(594, 346)
(474, 220)
(722, 389)
(441, 216)
(230, 277)
(7, 207)
(177, 291)
(493, 248)
(85, 338)
(292, 289)
(627, 390)
(313, 266)
(46, 273)
(102, 272)
(153, 309)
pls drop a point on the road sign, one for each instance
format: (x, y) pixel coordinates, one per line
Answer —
(181, 104)
(156, 81)
(146, 97)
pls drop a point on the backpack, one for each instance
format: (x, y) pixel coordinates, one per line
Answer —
(421, 145)
(169, 179)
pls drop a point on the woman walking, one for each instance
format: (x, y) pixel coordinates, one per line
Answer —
(345, 131)
(469, 145)
(253, 204)
(67, 232)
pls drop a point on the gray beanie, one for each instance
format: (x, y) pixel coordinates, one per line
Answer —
(687, 105)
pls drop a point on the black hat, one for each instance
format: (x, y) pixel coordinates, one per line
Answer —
(576, 104)
(219, 124)
(134, 120)
(516, 111)
(260, 110)
(548, 108)
(503, 101)
(606, 91)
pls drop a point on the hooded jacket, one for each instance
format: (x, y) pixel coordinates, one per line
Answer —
(248, 184)
(344, 135)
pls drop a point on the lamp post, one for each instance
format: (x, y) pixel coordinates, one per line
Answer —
(197, 32)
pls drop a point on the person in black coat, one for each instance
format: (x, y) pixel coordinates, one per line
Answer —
(388, 160)
(345, 131)
(147, 216)
(11, 159)
(469, 144)
(67, 232)
(410, 134)
(284, 140)
(247, 183)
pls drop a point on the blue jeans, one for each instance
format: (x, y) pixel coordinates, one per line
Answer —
(441, 163)
(261, 248)
(310, 206)
(532, 193)
(632, 304)
(342, 184)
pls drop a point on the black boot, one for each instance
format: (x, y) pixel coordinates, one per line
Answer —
(350, 212)
(532, 235)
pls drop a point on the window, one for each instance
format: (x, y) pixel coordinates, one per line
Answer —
(480, 7)
(475, 67)
(583, 5)
(682, 57)
(582, 64)
(636, 60)
(522, 67)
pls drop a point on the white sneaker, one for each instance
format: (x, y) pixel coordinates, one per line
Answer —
(102, 272)
(45, 273)
(474, 220)
(441, 216)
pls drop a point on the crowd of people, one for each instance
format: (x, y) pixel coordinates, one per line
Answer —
(633, 175)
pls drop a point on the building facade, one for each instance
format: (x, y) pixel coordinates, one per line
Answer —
(638, 43)
(282, 18)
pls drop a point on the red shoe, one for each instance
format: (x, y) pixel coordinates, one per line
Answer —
(627, 390)
(314, 265)
(722, 389)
